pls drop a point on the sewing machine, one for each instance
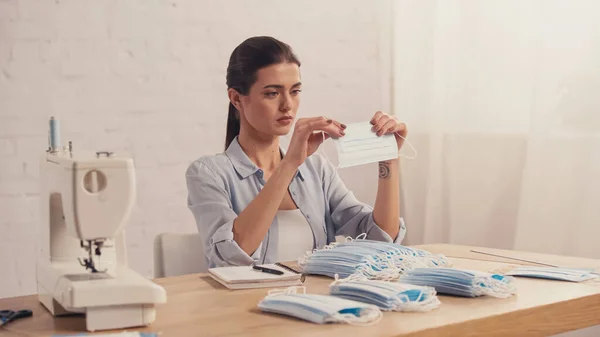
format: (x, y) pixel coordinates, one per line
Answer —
(86, 200)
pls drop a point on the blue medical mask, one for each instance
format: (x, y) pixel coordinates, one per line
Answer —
(319, 309)
(361, 145)
(461, 282)
(368, 258)
(398, 252)
(553, 273)
(388, 296)
(346, 261)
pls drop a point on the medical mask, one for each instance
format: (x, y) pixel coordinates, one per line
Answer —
(346, 261)
(388, 296)
(461, 282)
(361, 145)
(418, 257)
(367, 258)
(319, 309)
(552, 273)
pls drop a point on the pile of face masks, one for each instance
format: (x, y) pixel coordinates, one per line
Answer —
(388, 296)
(553, 273)
(461, 282)
(319, 309)
(367, 258)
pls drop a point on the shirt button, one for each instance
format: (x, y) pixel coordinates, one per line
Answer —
(293, 193)
(308, 216)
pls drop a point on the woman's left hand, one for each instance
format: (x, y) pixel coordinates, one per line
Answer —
(384, 124)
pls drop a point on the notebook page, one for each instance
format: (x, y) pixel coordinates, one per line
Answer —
(245, 274)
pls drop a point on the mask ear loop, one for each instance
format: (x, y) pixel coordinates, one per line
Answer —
(287, 291)
(409, 144)
(486, 285)
(323, 152)
(361, 236)
(426, 301)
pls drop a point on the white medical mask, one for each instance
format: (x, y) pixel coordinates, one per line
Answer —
(319, 309)
(361, 145)
(552, 273)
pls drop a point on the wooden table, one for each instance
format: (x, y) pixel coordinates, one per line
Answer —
(199, 306)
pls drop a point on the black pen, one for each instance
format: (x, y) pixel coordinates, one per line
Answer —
(268, 270)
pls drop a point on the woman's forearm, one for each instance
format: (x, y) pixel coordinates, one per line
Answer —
(252, 224)
(387, 203)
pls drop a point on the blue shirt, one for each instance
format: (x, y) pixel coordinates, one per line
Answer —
(221, 186)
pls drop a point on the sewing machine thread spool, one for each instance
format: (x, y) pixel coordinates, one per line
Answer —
(54, 135)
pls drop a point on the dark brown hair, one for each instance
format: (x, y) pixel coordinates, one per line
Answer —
(246, 59)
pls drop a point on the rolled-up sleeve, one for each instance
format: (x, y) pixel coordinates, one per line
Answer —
(350, 216)
(210, 204)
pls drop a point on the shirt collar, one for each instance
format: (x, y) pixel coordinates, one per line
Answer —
(245, 167)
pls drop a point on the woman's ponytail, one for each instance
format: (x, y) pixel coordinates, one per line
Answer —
(233, 125)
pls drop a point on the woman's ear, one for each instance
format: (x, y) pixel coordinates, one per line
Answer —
(234, 98)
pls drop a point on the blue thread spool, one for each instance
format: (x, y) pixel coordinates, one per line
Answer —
(54, 135)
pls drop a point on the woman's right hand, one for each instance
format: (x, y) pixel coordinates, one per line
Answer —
(308, 135)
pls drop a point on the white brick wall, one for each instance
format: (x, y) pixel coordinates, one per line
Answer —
(147, 77)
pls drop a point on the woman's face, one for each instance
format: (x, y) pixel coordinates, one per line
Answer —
(272, 102)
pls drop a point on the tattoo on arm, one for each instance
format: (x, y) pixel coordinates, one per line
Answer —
(384, 170)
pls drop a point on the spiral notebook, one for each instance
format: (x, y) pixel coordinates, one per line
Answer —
(244, 277)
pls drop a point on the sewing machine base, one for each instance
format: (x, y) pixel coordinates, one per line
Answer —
(106, 318)
(115, 300)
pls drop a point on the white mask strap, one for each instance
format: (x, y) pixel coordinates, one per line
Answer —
(370, 317)
(323, 152)
(287, 291)
(409, 144)
(361, 236)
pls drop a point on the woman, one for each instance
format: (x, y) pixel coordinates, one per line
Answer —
(255, 203)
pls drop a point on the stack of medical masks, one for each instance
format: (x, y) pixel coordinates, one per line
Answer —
(388, 296)
(367, 258)
(461, 282)
(554, 273)
(319, 309)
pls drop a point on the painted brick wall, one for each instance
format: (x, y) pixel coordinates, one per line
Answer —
(147, 78)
